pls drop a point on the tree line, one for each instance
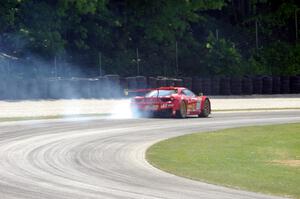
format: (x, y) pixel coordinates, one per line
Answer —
(156, 37)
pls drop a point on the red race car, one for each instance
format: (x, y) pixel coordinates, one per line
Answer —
(170, 101)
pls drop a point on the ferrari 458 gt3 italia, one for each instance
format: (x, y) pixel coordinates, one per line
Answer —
(171, 101)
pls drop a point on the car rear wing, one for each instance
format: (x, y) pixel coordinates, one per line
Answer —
(142, 92)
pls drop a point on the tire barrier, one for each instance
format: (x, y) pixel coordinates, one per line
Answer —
(112, 86)
(3, 88)
(206, 86)
(131, 82)
(152, 82)
(123, 83)
(161, 82)
(65, 90)
(236, 85)
(84, 91)
(247, 86)
(215, 86)
(276, 85)
(284, 84)
(113, 83)
(53, 90)
(257, 85)
(197, 85)
(93, 86)
(267, 85)
(42, 88)
(225, 86)
(21, 89)
(295, 84)
(11, 89)
(141, 82)
(178, 82)
(32, 88)
(104, 89)
(169, 82)
(187, 82)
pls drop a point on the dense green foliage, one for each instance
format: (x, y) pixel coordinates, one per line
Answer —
(213, 37)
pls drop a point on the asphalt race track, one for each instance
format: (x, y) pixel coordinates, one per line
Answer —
(104, 158)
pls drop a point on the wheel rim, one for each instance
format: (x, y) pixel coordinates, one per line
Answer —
(206, 107)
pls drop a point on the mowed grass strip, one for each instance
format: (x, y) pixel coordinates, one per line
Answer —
(263, 159)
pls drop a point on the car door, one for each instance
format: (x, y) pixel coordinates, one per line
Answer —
(192, 101)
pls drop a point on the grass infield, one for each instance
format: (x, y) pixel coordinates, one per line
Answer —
(263, 159)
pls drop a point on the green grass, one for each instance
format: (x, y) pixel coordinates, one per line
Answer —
(262, 159)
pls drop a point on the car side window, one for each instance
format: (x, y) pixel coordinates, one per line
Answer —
(188, 93)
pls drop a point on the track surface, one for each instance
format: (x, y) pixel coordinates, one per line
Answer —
(105, 158)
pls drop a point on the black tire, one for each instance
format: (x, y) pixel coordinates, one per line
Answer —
(182, 112)
(206, 109)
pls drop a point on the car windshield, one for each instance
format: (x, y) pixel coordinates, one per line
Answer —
(160, 93)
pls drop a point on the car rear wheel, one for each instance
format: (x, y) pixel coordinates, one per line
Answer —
(182, 112)
(206, 109)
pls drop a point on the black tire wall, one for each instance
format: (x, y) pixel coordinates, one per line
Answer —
(247, 86)
(276, 85)
(225, 86)
(215, 86)
(236, 85)
(267, 87)
(295, 84)
(285, 84)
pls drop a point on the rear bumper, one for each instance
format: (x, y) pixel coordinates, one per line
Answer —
(154, 109)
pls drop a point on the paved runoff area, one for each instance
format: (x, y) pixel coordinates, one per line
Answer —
(36, 108)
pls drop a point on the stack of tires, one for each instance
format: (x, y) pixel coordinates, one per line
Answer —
(53, 88)
(178, 82)
(86, 90)
(93, 88)
(19, 88)
(197, 85)
(257, 85)
(285, 84)
(131, 82)
(141, 82)
(2, 89)
(267, 85)
(169, 82)
(65, 89)
(206, 86)
(295, 84)
(187, 82)
(275, 85)
(247, 85)
(161, 82)
(101, 87)
(215, 85)
(225, 86)
(113, 83)
(236, 85)
(152, 82)
(32, 88)
(42, 88)
(11, 89)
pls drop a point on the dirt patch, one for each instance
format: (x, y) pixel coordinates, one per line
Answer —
(290, 163)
